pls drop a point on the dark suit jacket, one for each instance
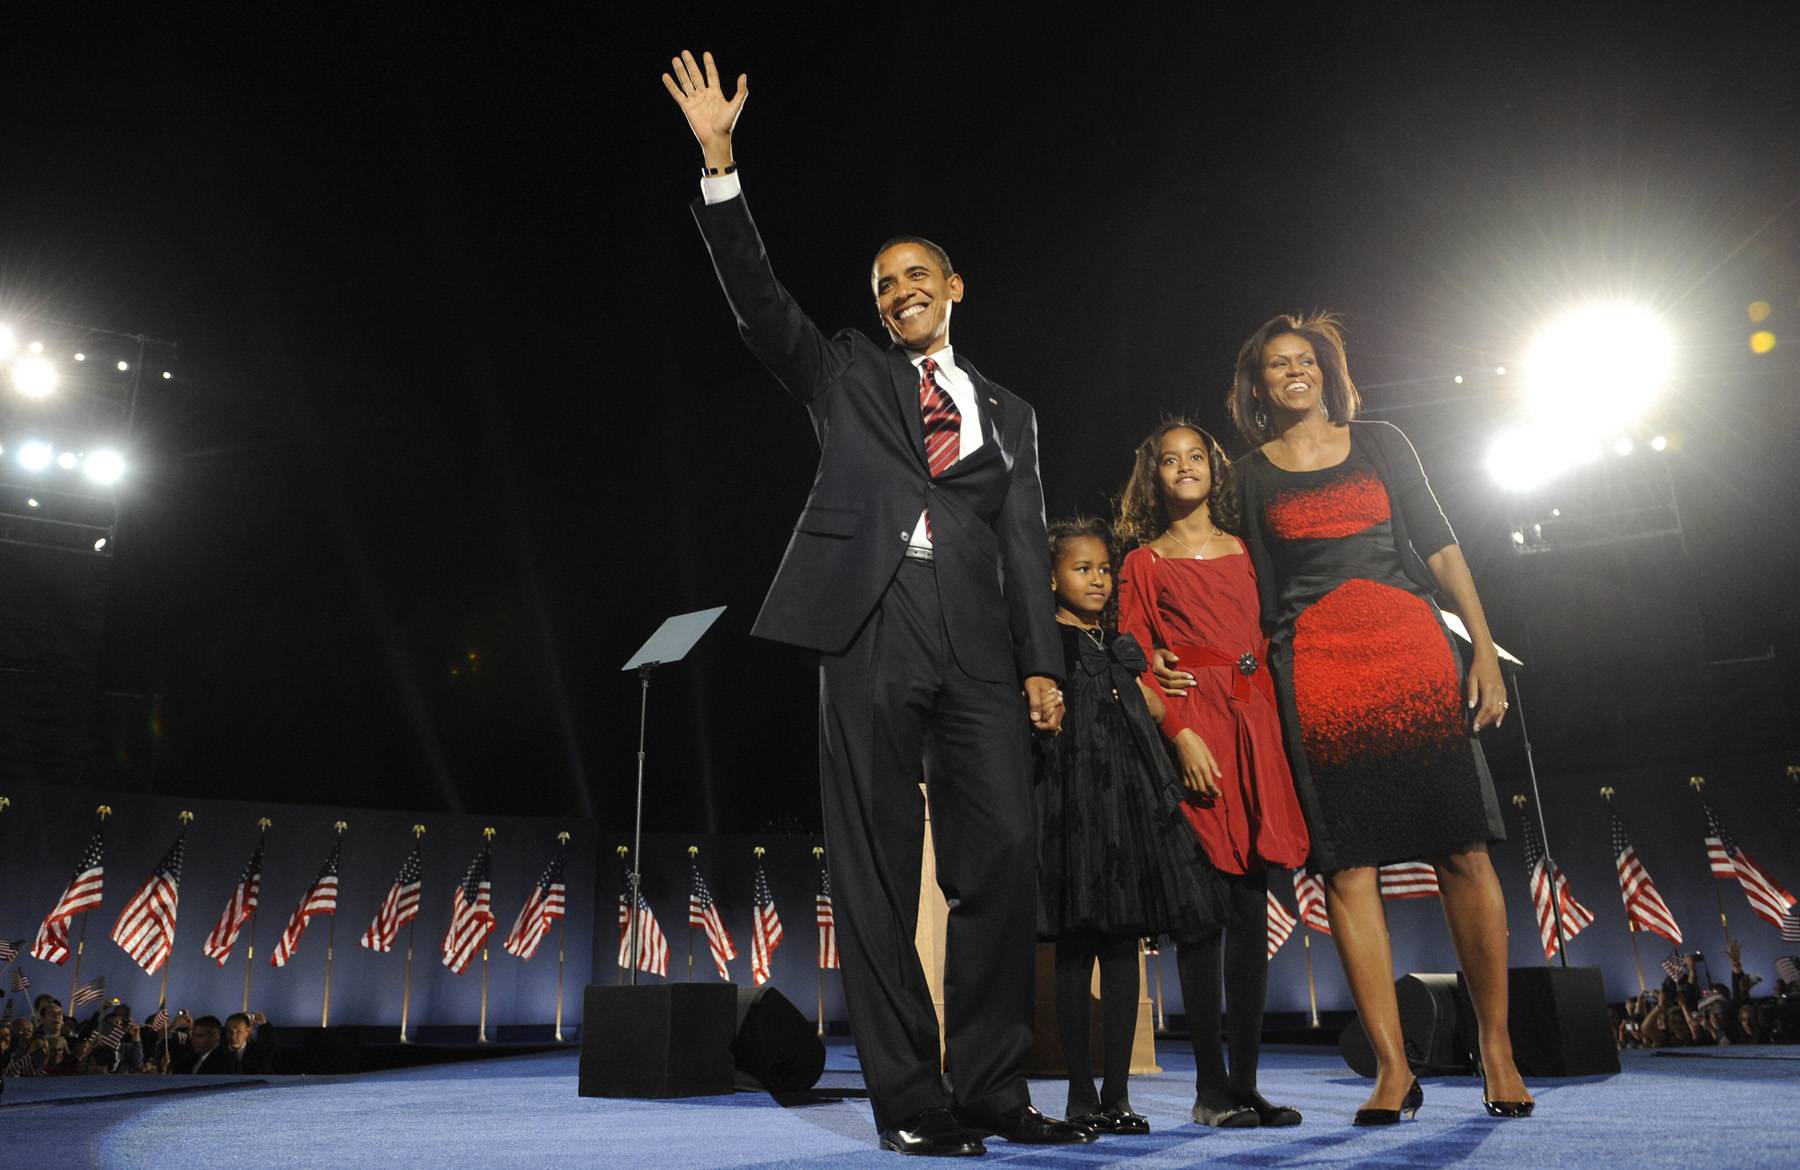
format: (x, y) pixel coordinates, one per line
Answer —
(987, 511)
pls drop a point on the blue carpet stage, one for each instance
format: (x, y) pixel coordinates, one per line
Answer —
(1729, 1107)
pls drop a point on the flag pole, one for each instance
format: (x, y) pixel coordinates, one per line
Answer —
(481, 1036)
(819, 853)
(330, 946)
(184, 817)
(1698, 784)
(1156, 972)
(693, 857)
(1312, 992)
(561, 938)
(105, 811)
(624, 851)
(412, 930)
(250, 948)
(1631, 927)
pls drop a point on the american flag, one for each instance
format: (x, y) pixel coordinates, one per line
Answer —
(160, 1020)
(652, 946)
(93, 991)
(765, 929)
(1790, 926)
(1281, 924)
(1309, 892)
(1672, 965)
(1771, 901)
(1644, 907)
(828, 952)
(1408, 879)
(146, 927)
(224, 935)
(1549, 888)
(6, 1017)
(545, 905)
(1787, 968)
(9, 949)
(114, 1035)
(20, 980)
(399, 907)
(471, 915)
(320, 898)
(83, 894)
(704, 913)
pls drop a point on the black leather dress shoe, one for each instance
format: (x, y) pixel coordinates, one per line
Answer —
(1119, 1119)
(932, 1132)
(1024, 1125)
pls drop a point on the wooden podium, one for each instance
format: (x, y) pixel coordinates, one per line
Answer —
(1046, 1051)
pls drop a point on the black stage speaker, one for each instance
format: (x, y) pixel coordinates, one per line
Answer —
(1560, 1025)
(669, 1040)
(776, 1047)
(1436, 1021)
(1557, 1015)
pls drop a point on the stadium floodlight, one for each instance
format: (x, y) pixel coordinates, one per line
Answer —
(68, 461)
(9, 341)
(104, 466)
(1595, 370)
(1520, 460)
(34, 377)
(35, 455)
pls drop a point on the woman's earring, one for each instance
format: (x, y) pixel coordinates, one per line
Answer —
(1261, 419)
(1324, 410)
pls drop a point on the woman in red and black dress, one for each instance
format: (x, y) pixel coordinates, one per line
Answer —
(1188, 589)
(1350, 545)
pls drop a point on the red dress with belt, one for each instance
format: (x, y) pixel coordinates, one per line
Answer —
(1208, 612)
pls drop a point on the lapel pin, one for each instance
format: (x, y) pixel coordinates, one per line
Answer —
(994, 401)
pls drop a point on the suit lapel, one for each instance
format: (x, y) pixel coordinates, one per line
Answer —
(991, 405)
(905, 377)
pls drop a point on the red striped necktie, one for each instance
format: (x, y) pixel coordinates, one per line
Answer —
(943, 426)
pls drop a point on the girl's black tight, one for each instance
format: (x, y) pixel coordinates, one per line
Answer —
(1244, 948)
(1075, 955)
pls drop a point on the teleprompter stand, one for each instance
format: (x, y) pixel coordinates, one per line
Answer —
(671, 1040)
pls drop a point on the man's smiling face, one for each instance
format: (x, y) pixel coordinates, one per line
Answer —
(913, 297)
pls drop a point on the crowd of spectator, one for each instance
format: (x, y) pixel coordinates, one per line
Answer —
(112, 1041)
(1690, 1009)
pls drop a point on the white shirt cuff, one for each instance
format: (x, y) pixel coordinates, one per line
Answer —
(720, 188)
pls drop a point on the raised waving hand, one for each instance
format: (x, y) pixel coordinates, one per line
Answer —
(696, 88)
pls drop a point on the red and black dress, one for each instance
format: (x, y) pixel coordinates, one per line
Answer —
(1370, 681)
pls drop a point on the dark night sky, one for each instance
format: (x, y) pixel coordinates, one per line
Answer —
(454, 375)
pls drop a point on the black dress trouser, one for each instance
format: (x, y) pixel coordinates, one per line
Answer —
(895, 709)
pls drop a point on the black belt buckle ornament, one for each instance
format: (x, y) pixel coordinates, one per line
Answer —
(1246, 664)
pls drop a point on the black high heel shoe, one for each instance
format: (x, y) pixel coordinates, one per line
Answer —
(1508, 1109)
(1415, 1097)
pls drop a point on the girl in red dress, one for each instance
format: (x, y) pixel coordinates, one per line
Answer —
(1188, 589)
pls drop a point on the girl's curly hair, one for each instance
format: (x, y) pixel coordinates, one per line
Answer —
(1142, 514)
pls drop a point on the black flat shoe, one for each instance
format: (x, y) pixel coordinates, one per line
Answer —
(1024, 1125)
(1409, 1107)
(1117, 1120)
(1267, 1115)
(1505, 1108)
(1232, 1116)
(933, 1133)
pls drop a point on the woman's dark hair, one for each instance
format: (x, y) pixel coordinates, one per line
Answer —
(1142, 514)
(1325, 332)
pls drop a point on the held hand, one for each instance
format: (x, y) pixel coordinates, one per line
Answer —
(1173, 682)
(702, 100)
(1046, 703)
(1486, 691)
(1735, 950)
(1199, 771)
(258, 1019)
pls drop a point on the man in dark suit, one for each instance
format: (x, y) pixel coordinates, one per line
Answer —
(919, 573)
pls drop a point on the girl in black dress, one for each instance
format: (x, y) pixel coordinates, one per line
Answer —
(1115, 861)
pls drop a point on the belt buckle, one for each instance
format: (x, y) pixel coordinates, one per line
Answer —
(1246, 664)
